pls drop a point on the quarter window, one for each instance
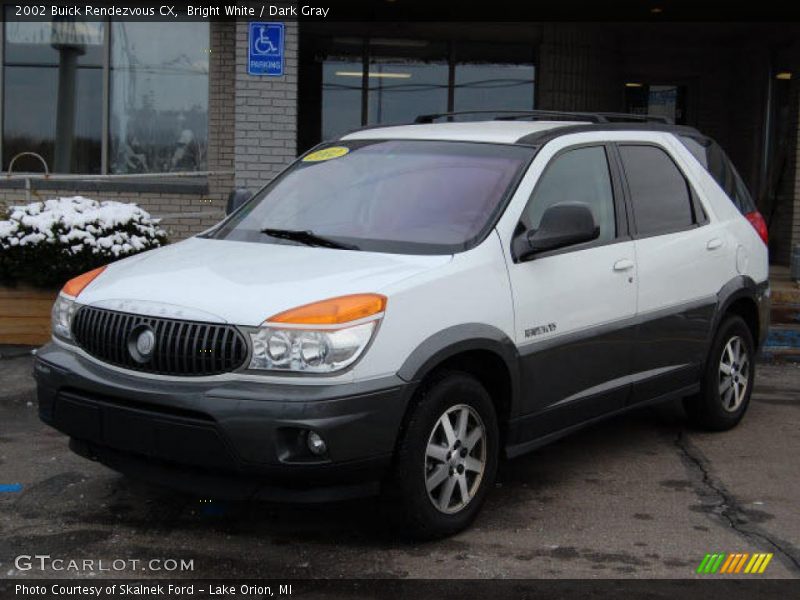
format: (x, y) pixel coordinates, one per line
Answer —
(579, 175)
(720, 167)
(660, 194)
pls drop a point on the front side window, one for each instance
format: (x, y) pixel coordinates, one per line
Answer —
(402, 196)
(579, 175)
(660, 194)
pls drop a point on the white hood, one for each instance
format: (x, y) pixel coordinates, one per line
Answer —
(243, 282)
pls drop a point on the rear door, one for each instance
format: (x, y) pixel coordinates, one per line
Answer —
(680, 260)
(574, 307)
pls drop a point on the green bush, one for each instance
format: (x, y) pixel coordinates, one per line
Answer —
(47, 243)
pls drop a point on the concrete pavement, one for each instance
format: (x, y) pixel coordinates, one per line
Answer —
(639, 496)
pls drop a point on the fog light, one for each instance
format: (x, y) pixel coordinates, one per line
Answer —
(316, 444)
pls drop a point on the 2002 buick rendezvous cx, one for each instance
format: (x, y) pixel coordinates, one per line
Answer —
(403, 306)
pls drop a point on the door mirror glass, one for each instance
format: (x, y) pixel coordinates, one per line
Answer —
(564, 224)
(236, 198)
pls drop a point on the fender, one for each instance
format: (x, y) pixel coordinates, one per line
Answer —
(463, 338)
(743, 286)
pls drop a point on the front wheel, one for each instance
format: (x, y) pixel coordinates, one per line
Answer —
(728, 380)
(447, 457)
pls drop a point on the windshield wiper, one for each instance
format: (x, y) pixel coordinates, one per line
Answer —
(309, 238)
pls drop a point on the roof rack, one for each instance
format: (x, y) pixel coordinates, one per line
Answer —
(615, 117)
(516, 115)
(513, 115)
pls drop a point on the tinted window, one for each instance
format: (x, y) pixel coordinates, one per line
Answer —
(659, 192)
(717, 163)
(387, 196)
(579, 175)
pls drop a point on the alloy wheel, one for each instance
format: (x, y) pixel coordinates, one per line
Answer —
(455, 458)
(734, 374)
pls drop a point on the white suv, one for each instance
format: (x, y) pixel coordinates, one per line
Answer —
(402, 307)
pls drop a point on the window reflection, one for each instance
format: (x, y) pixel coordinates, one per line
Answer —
(341, 96)
(493, 87)
(52, 95)
(29, 120)
(399, 90)
(412, 77)
(159, 97)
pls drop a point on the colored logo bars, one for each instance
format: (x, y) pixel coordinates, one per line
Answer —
(741, 562)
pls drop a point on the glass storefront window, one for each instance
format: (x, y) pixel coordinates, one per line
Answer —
(399, 90)
(52, 95)
(493, 87)
(412, 77)
(159, 97)
(659, 100)
(341, 96)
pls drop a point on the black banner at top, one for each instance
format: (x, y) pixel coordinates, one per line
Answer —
(413, 10)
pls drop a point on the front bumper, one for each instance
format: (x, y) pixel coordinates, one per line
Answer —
(224, 439)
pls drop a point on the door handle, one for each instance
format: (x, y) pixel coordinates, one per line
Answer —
(623, 265)
(714, 243)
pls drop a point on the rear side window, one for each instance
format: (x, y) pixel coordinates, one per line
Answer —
(660, 194)
(719, 166)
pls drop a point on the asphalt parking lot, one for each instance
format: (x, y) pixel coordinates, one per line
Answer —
(639, 496)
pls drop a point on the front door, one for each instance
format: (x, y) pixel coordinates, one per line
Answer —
(575, 307)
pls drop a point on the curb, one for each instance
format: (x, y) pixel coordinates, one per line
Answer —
(16, 350)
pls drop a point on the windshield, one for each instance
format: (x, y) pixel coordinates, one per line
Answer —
(401, 196)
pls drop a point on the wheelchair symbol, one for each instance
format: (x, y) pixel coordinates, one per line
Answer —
(263, 44)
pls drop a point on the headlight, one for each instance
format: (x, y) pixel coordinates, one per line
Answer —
(322, 337)
(309, 350)
(61, 316)
(65, 306)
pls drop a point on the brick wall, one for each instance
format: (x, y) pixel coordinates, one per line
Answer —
(782, 206)
(793, 215)
(578, 69)
(221, 97)
(265, 115)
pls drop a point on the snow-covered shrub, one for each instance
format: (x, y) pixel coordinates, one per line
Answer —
(47, 243)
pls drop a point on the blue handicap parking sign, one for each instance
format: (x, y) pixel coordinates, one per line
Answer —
(265, 54)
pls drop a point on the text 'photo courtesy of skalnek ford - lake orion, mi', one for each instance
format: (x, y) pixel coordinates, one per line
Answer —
(395, 299)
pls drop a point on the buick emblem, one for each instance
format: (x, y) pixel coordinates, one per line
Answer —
(141, 343)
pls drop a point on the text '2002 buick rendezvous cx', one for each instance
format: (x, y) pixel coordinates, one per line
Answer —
(404, 306)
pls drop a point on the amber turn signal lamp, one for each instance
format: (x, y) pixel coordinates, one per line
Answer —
(333, 311)
(75, 285)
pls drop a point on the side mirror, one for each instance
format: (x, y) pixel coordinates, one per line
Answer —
(562, 225)
(236, 198)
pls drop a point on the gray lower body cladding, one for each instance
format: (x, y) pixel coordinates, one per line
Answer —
(224, 438)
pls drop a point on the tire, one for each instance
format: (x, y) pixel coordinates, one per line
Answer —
(724, 398)
(425, 457)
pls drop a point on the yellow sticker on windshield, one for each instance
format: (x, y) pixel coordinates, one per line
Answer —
(326, 154)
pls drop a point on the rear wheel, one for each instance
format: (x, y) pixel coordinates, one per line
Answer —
(728, 380)
(447, 457)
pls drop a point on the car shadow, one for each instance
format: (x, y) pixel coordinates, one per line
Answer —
(366, 522)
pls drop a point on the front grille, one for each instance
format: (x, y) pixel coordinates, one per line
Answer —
(184, 348)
